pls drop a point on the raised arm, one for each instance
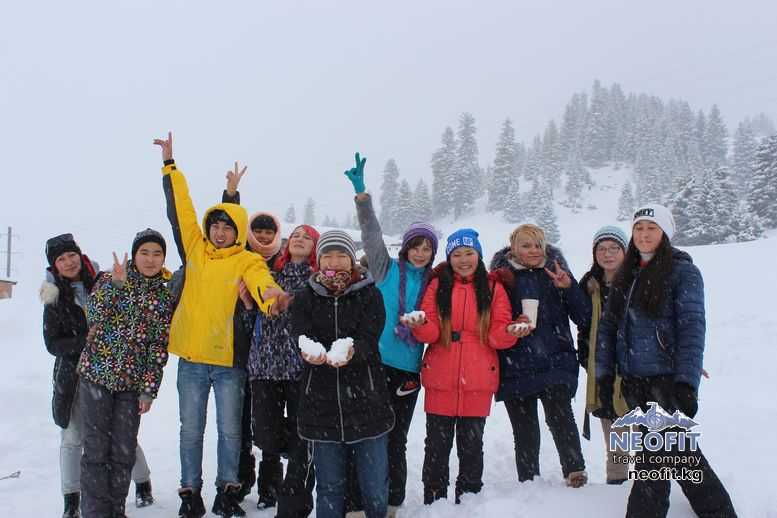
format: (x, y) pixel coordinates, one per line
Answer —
(231, 194)
(372, 236)
(180, 209)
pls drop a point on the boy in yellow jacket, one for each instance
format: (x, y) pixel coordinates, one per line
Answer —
(202, 333)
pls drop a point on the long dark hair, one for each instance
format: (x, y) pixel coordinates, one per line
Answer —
(483, 297)
(652, 286)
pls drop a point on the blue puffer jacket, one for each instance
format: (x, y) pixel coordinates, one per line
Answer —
(546, 357)
(671, 343)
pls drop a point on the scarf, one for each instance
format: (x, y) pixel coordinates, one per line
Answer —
(337, 282)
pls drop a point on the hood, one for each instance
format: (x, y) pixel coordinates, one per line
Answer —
(679, 255)
(366, 280)
(240, 217)
(266, 251)
(504, 259)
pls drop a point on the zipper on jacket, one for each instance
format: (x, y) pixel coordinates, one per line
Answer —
(461, 351)
(310, 378)
(337, 329)
(340, 405)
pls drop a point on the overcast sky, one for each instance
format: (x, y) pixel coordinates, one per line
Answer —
(293, 89)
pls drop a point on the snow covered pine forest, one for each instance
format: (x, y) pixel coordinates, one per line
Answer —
(610, 151)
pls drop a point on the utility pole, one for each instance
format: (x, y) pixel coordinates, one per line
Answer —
(8, 261)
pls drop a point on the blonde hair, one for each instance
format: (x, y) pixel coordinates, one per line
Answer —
(533, 231)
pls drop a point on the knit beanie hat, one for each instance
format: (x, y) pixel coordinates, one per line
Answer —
(60, 244)
(463, 237)
(420, 229)
(219, 215)
(267, 221)
(148, 236)
(659, 215)
(338, 240)
(611, 233)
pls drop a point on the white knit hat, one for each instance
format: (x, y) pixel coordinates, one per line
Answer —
(659, 215)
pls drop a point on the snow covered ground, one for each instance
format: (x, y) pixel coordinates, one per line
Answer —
(738, 415)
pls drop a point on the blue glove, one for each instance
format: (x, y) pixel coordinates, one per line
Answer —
(356, 175)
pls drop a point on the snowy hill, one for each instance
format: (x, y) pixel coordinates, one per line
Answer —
(738, 415)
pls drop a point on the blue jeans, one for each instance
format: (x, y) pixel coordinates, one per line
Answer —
(371, 458)
(194, 383)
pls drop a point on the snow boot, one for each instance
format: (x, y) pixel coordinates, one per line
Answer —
(577, 479)
(433, 494)
(226, 502)
(191, 504)
(246, 473)
(269, 481)
(72, 505)
(143, 496)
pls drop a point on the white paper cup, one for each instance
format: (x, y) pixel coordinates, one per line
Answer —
(529, 308)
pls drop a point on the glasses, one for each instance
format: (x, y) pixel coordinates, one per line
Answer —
(612, 250)
(59, 241)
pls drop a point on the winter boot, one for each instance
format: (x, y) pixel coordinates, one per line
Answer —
(72, 505)
(269, 482)
(246, 473)
(191, 504)
(143, 496)
(226, 502)
(577, 479)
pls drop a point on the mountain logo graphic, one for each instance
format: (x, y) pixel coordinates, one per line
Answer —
(655, 419)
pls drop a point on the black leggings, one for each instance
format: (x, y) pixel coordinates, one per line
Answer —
(557, 403)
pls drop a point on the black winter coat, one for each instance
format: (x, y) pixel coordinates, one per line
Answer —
(64, 333)
(350, 403)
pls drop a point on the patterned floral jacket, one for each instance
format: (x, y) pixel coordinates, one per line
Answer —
(126, 348)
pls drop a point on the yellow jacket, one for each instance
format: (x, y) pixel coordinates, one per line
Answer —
(203, 325)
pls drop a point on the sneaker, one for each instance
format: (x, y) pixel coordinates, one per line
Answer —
(72, 505)
(143, 496)
(226, 502)
(191, 504)
(577, 479)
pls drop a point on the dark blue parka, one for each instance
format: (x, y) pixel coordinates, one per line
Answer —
(547, 356)
(671, 343)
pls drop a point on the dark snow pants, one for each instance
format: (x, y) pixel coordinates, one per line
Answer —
(557, 403)
(403, 387)
(440, 431)
(111, 423)
(276, 433)
(650, 498)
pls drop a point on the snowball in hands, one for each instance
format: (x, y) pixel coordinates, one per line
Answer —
(310, 347)
(518, 327)
(339, 350)
(414, 316)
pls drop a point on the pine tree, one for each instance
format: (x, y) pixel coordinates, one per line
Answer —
(403, 208)
(762, 124)
(762, 187)
(550, 146)
(443, 174)
(626, 203)
(743, 157)
(514, 210)
(545, 215)
(715, 136)
(684, 202)
(505, 168)
(422, 201)
(720, 202)
(617, 124)
(309, 217)
(597, 134)
(468, 175)
(291, 215)
(576, 175)
(389, 191)
(330, 221)
(572, 127)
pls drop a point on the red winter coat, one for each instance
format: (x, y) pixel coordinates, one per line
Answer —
(461, 380)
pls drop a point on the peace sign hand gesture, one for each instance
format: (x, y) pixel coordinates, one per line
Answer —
(233, 180)
(119, 272)
(166, 145)
(560, 277)
(356, 175)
